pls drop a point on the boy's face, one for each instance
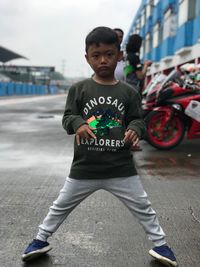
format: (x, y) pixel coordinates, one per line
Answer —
(103, 59)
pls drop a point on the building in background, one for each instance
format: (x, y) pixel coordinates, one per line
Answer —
(171, 33)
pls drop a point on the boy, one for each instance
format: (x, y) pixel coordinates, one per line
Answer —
(105, 116)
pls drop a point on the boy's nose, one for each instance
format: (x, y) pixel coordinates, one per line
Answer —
(103, 59)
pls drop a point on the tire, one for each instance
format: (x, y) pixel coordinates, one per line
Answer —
(164, 138)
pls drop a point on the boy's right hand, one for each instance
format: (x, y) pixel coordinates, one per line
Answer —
(84, 131)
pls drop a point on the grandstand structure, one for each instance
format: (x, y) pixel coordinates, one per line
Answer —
(171, 33)
(27, 80)
(34, 74)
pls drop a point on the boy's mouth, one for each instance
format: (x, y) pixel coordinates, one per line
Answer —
(102, 69)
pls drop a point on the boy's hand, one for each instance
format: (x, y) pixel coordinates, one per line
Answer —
(84, 131)
(131, 137)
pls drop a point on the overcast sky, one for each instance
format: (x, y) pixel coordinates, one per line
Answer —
(52, 32)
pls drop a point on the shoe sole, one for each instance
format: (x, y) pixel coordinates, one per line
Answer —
(36, 254)
(162, 259)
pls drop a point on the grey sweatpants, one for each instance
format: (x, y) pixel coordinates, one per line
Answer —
(128, 189)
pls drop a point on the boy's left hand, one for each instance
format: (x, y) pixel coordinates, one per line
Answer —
(132, 137)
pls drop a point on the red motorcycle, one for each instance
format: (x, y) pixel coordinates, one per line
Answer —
(171, 111)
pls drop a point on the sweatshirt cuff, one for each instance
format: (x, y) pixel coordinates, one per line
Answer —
(77, 123)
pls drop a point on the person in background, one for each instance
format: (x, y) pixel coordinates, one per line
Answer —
(119, 71)
(104, 114)
(135, 71)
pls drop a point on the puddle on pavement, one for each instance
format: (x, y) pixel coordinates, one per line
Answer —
(172, 167)
(30, 123)
(21, 159)
(5, 146)
(48, 116)
(45, 116)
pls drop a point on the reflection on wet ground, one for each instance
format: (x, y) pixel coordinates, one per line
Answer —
(180, 163)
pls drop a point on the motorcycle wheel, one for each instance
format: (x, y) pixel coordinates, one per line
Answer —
(164, 138)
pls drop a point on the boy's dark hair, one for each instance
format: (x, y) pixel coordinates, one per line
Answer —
(102, 35)
(134, 43)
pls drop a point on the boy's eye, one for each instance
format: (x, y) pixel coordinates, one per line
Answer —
(110, 54)
(107, 54)
(95, 56)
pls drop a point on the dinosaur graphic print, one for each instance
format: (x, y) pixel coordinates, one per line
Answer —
(103, 121)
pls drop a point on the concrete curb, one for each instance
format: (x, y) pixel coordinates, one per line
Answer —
(25, 99)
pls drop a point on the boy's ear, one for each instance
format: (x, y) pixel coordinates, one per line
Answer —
(120, 55)
(86, 57)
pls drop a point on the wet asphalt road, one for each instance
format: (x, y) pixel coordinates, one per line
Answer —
(35, 157)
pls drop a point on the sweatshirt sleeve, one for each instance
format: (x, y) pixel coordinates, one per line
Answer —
(72, 119)
(134, 119)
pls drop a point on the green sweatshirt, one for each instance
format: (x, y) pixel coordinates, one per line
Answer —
(110, 110)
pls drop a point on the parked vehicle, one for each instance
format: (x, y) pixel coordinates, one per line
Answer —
(166, 113)
(154, 84)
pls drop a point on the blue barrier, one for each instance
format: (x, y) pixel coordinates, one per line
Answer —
(10, 88)
(53, 89)
(24, 86)
(28, 89)
(2, 89)
(15, 88)
(44, 90)
(34, 89)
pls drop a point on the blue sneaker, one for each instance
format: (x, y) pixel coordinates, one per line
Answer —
(35, 249)
(164, 254)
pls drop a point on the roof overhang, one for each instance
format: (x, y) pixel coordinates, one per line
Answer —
(7, 55)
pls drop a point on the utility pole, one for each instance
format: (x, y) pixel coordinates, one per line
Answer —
(63, 67)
